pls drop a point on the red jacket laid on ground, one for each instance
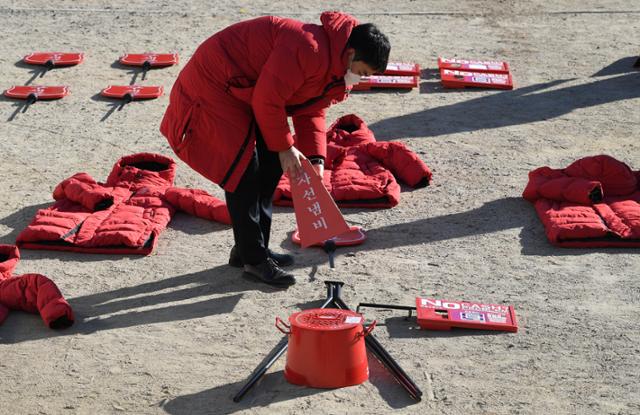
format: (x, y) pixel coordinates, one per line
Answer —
(124, 215)
(361, 172)
(595, 202)
(262, 70)
(33, 293)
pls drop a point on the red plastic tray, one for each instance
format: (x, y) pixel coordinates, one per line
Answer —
(153, 59)
(434, 314)
(56, 58)
(41, 92)
(473, 65)
(462, 79)
(402, 68)
(135, 91)
(383, 81)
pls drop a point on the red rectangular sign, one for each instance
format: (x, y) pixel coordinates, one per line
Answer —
(473, 65)
(152, 59)
(39, 92)
(54, 58)
(384, 81)
(134, 91)
(462, 79)
(316, 212)
(402, 68)
(434, 314)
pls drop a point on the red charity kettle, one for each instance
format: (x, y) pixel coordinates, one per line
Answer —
(326, 348)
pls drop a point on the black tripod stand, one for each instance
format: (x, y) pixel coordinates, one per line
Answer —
(334, 289)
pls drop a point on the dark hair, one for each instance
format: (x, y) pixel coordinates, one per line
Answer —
(371, 46)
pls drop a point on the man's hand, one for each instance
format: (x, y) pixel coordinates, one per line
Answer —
(290, 161)
(319, 169)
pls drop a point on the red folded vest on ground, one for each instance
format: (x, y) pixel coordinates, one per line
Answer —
(595, 202)
(33, 293)
(361, 172)
(125, 215)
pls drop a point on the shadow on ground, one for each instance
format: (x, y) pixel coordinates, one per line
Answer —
(121, 307)
(524, 105)
(273, 388)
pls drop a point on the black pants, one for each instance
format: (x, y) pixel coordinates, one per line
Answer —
(251, 205)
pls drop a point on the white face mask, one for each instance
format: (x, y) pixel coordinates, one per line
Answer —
(351, 78)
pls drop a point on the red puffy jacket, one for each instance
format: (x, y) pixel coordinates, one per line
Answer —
(33, 293)
(595, 202)
(261, 70)
(124, 215)
(361, 172)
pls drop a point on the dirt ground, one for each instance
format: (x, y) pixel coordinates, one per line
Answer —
(178, 332)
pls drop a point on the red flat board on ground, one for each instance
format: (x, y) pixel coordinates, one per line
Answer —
(354, 236)
(40, 92)
(135, 91)
(317, 215)
(473, 65)
(56, 58)
(153, 59)
(463, 79)
(402, 68)
(384, 81)
(434, 314)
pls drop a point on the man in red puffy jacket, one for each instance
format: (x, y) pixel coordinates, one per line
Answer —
(227, 116)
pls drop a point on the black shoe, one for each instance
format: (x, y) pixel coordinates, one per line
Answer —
(270, 273)
(282, 260)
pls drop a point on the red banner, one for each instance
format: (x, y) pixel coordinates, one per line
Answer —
(316, 212)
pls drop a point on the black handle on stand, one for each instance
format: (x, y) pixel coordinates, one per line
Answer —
(30, 100)
(329, 247)
(127, 99)
(387, 307)
(145, 67)
(47, 67)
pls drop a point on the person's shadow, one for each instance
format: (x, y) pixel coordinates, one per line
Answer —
(200, 294)
(520, 106)
(623, 65)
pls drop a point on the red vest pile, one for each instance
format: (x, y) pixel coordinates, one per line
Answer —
(361, 172)
(595, 202)
(125, 215)
(33, 293)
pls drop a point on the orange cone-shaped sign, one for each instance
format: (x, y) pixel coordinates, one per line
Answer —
(317, 215)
